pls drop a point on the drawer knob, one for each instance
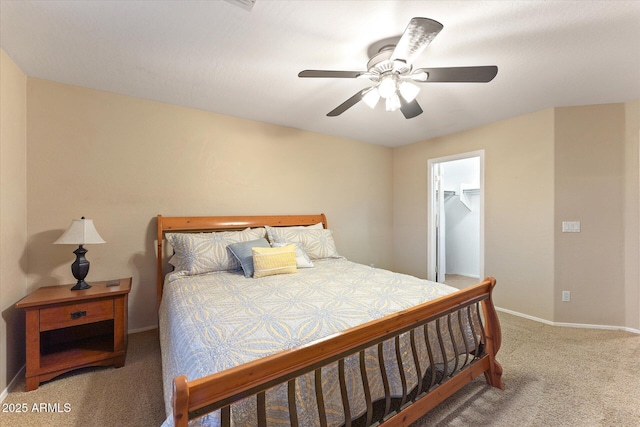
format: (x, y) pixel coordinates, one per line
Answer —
(78, 314)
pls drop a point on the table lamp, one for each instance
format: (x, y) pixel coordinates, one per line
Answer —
(80, 232)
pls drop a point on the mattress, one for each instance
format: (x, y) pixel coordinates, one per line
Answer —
(211, 322)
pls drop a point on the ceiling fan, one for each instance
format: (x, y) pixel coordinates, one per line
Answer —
(391, 69)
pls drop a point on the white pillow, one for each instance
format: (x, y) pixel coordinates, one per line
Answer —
(302, 259)
(318, 226)
(198, 253)
(317, 243)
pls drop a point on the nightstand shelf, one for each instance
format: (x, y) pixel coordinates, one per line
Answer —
(65, 355)
(67, 329)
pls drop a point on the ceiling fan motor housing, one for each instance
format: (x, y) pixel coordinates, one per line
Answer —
(381, 64)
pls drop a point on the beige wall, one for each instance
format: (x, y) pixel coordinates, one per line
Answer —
(13, 215)
(632, 215)
(590, 172)
(518, 207)
(563, 164)
(121, 161)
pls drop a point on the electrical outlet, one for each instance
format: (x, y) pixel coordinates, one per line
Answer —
(566, 296)
(570, 226)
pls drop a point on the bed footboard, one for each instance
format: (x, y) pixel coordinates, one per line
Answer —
(460, 333)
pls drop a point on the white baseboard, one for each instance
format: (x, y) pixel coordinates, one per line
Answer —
(5, 392)
(569, 325)
(146, 328)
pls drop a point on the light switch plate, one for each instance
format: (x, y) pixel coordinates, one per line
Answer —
(570, 226)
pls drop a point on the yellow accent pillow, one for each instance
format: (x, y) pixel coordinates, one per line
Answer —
(270, 261)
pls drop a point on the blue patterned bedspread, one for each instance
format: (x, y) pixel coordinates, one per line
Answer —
(211, 322)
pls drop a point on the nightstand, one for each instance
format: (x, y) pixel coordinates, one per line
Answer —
(67, 330)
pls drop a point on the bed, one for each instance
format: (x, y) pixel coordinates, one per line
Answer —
(335, 344)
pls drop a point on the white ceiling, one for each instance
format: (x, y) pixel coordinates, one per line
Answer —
(217, 56)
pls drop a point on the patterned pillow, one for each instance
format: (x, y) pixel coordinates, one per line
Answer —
(198, 253)
(270, 261)
(317, 243)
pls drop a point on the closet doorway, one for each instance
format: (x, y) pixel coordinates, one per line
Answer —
(455, 249)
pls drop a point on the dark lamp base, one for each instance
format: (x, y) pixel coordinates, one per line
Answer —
(80, 268)
(81, 285)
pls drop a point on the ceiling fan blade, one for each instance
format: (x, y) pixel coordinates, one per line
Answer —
(410, 109)
(415, 38)
(480, 74)
(348, 103)
(331, 74)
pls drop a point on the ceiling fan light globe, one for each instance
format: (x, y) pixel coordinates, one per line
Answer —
(392, 103)
(387, 86)
(420, 76)
(371, 98)
(408, 90)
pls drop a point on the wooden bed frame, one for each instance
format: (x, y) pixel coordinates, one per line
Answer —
(195, 398)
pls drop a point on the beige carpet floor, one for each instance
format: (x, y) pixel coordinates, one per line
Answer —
(98, 397)
(554, 377)
(459, 281)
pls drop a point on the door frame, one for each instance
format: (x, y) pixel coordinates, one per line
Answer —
(431, 217)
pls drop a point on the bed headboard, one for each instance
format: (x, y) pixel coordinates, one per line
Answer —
(195, 224)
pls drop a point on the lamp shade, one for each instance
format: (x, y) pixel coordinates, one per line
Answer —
(387, 86)
(371, 98)
(80, 232)
(393, 103)
(408, 90)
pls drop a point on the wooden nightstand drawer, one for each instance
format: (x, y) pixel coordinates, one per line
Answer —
(75, 314)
